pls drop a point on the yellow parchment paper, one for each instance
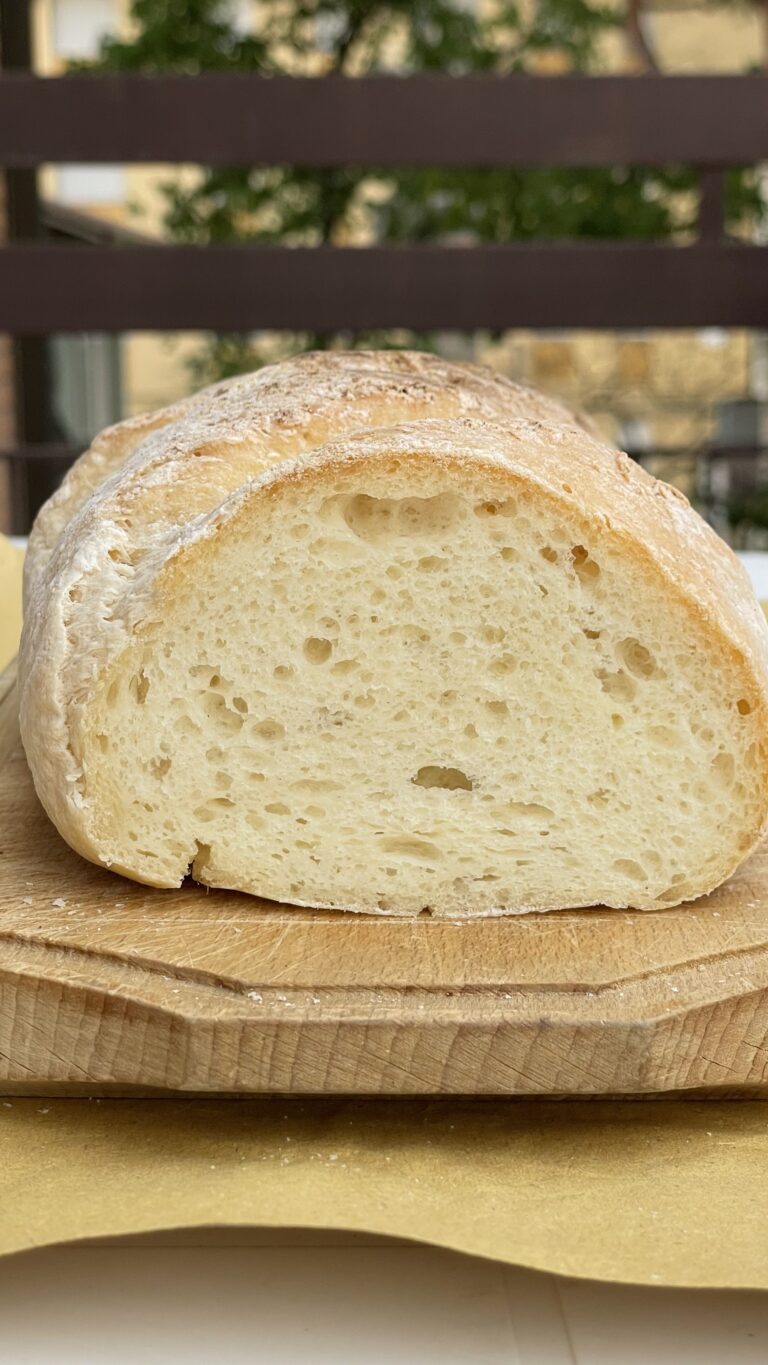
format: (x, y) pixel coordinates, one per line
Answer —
(650, 1192)
(659, 1192)
(11, 560)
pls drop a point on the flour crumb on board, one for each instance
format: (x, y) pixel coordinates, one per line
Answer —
(59, 903)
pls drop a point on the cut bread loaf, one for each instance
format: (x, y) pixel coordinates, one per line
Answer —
(345, 645)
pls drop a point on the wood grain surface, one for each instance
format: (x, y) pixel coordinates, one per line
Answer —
(105, 984)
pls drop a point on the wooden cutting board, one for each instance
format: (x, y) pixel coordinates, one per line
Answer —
(105, 984)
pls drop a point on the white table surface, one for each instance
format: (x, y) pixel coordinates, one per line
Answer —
(301, 1298)
(308, 1299)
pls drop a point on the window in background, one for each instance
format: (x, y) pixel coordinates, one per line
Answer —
(78, 28)
(85, 374)
(76, 184)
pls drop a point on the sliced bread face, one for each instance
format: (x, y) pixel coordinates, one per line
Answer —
(445, 667)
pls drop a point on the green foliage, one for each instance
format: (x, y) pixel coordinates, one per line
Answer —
(751, 509)
(302, 206)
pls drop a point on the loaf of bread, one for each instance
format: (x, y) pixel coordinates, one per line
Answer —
(376, 632)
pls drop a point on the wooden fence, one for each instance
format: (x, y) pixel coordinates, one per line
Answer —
(709, 123)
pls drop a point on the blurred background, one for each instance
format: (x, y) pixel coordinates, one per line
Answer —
(692, 405)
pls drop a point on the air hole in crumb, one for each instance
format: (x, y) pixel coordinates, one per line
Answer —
(449, 779)
(492, 634)
(586, 569)
(470, 731)
(283, 671)
(636, 658)
(139, 687)
(448, 697)
(159, 767)
(617, 720)
(277, 808)
(202, 856)
(345, 666)
(505, 663)
(508, 553)
(530, 810)
(497, 708)
(407, 847)
(592, 634)
(269, 729)
(241, 705)
(219, 713)
(627, 867)
(618, 686)
(317, 650)
(599, 798)
(743, 707)
(549, 554)
(456, 638)
(432, 562)
(103, 743)
(373, 519)
(496, 509)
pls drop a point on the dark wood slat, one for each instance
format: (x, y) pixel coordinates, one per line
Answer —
(51, 451)
(241, 288)
(216, 118)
